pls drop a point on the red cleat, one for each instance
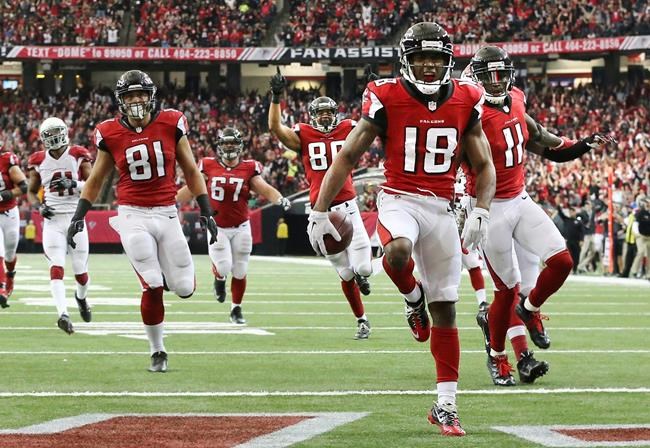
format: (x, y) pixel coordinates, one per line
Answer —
(445, 416)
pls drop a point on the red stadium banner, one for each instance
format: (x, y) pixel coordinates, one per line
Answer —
(308, 54)
(99, 230)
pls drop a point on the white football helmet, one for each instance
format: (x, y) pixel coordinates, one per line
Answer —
(54, 133)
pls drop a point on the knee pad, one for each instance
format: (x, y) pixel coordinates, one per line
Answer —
(82, 279)
(239, 269)
(185, 287)
(224, 267)
(346, 274)
(150, 279)
(364, 269)
(181, 254)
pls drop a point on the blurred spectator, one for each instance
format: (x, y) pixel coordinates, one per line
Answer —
(282, 235)
(30, 236)
(642, 236)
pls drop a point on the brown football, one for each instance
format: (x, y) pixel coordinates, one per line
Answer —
(343, 225)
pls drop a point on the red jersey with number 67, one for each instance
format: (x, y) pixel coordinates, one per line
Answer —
(422, 137)
(506, 130)
(145, 158)
(7, 161)
(318, 150)
(229, 189)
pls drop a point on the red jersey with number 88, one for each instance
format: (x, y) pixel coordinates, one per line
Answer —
(422, 139)
(145, 158)
(318, 151)
(229, 189)
(506, 130)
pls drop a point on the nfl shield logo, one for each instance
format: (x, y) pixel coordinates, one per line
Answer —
(432, 105)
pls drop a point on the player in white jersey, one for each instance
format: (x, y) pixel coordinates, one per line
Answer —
(61, 170)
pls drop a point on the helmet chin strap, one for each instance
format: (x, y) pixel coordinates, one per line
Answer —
(495, 99)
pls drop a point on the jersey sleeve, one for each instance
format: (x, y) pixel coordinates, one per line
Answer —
(200, 165)
(100, 144)
(81, 153)
(257, 168)
(372, 107)
(35, 160)
(182, 126)
(13, 160)
(476, 97)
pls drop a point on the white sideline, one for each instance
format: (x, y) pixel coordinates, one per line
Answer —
(82, 326)
(330, 393)
(301, 352)
(571, 279)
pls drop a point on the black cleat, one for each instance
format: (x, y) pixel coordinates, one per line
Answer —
(530, 369)
(482, 321)
(417, 317)
(363, 329)
(533, 321)
(65, 324)
(500, 370)
(84, 309)
(236, 317)
(158, 362)
(363, 283)
(3, 301)
(220, 290)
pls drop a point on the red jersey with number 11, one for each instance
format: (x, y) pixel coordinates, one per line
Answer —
(318, 151)
(145, 158)
(506, 130)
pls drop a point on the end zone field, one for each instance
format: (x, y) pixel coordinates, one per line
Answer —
(294, 376)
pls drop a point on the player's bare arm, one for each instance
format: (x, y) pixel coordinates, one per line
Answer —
(99, 172)
(34, 186)
(262, 187)
(285, 134)
(477, 150)
(560, 149)
(196, 185)
(84, 170)
(193, 177)
(357, 142)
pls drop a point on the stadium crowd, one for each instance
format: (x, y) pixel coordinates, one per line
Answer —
(62, 22)
(324, 23)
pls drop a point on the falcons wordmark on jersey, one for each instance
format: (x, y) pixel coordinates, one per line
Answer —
(422, 138)
(145, 157)
(229, 189)
(318, 150)
(51, 169)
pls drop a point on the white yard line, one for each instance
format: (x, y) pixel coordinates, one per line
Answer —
(329, 393)
(84, 326)
(300, 352)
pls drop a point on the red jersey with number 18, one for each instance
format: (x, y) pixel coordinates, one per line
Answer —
(506, 130)
(145, 158)
(229, 189)
(422, 138)
(318, 150)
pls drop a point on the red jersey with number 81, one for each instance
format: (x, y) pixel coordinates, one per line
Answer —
(229, 189)
(506, 130)
(318, 151)
(422, 139)
(145, 158)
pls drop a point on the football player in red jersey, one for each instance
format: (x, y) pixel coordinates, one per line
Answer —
(318, 142)
(62, 170)
(514, 216)
(229, 180)
(427, 120)
(144, 145)
(12, 184)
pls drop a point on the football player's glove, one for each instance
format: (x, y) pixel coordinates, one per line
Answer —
(318, 226)
(63, 183)
(476, 227)
(597, 140)
(278, 83)
(206, 217)
(6, 195)
(369, 74)
(76, 226)
(284, 203)
(46, 211)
